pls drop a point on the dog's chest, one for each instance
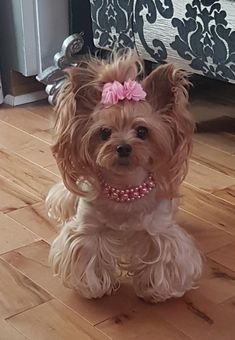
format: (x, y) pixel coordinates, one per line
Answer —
(118, 217)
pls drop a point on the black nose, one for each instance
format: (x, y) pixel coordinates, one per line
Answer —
(124, 150)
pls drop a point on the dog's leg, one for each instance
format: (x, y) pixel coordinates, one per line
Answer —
(84, 258)
(166, 264)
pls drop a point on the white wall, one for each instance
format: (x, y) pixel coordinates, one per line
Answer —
(32, 32)
(52, 28)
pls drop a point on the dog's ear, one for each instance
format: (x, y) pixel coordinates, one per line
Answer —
(167, 86)
(167, 92)
(83, 86)
(75, 103)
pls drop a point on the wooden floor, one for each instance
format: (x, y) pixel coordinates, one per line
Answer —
(33, 304)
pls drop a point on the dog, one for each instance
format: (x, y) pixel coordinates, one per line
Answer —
(122, 143)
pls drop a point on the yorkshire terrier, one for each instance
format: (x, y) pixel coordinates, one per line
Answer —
(122, 145)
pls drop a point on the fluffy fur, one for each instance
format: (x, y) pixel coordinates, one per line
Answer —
(101, 238)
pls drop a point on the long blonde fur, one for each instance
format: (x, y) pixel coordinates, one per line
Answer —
(61, 204)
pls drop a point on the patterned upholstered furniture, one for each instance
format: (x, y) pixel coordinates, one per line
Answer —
(197, 35)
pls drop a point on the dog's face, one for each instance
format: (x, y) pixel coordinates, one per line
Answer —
(125, 136)
(153, 134)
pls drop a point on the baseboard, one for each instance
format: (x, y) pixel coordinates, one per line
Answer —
(24, 98)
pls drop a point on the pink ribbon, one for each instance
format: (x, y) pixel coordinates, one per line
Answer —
(114, 92)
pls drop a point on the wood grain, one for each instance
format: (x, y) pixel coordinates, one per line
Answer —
(228, 194)
(207, 179)
(32, 261)
(13, 196)
(18, 293)
(29, 176)
(193, 317)
(217, 283)
(209, 207)
(223, 141)
(140, 324)
(196, 317)
(24, 145)
(225, 256)
(28, 122)
(13, 234)
(53, 320)
(54, 169)
(9, 333)
(42, 109)
(214, 158)
(208, 237)
(35, 218)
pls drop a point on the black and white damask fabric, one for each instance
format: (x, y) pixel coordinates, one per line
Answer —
(206, 37)
(197, 35)
(112, 22)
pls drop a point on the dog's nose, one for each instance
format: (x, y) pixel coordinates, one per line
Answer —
(124, 150)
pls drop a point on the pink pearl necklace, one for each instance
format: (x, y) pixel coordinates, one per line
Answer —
(129, 194)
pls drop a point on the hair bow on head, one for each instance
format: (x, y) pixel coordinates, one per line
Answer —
(114, 92)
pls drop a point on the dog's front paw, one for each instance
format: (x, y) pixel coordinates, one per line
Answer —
(155, 284)
(93, 286)
(170, 268)
(161, 281)
(76, 257)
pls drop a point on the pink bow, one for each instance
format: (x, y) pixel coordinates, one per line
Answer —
(114, 92)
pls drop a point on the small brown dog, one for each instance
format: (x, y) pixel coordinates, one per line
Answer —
(122, 144)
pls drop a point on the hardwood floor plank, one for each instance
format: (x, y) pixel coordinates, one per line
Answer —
(223, 141)
(7, 332)
(209, 208)
(193, 315)
(13, 196)
(36, 306)
(32, 261)
(53, 320)
(217, 283)
(41, 108)
(207, 236)
(18, 293)
(13, 234)
(25, 145)
(26, 174)
(28, 122)
(225, 256)
(227, 194)
(229, 304)
(54, 169)
(35, 218)
(207, 179)
(214, 159)
(140, 324)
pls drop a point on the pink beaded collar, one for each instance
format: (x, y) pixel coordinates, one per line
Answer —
(130, 194)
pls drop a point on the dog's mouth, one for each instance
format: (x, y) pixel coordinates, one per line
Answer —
(123, 161)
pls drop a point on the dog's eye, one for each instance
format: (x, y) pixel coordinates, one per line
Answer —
(142, 132)
(105, 133)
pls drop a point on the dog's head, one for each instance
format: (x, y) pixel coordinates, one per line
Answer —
(99, 128)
